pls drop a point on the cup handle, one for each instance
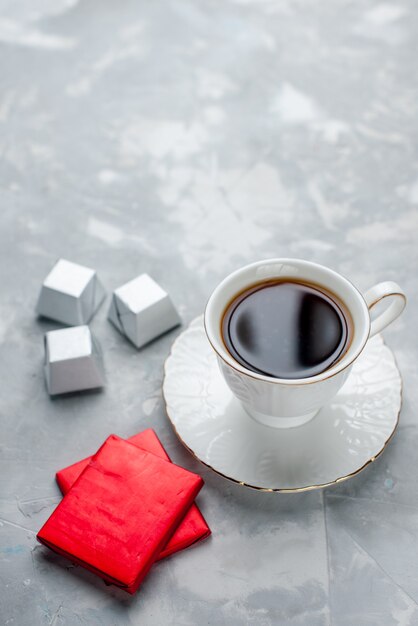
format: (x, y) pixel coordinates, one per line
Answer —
(376, 294)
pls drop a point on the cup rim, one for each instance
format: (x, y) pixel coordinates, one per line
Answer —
(339, 367)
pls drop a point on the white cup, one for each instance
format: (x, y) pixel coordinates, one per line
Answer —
(281, 402)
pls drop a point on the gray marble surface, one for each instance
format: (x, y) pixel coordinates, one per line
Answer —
(184, 139)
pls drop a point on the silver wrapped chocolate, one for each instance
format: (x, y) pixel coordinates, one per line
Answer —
(142, 310)
(70, 294)
(73, 360)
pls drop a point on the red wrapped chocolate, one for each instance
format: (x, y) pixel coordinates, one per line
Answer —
(192, 528)
(120, 512)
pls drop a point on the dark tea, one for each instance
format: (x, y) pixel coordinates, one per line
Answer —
(286, 329)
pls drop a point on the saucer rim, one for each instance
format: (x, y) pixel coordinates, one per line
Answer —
(313, 487)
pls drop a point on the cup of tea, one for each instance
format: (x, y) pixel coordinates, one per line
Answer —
(287, 332)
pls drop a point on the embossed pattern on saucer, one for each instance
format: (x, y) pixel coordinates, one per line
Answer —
(337, 444)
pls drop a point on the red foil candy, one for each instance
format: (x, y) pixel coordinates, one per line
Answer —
(193, 528)
(121, 512)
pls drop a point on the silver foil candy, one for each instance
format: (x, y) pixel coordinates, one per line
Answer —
(70, 294)
(142, 310)
(73, 360)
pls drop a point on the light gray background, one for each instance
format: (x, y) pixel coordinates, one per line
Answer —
(184, 139)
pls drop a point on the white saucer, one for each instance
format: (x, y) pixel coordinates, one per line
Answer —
(338, 443)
